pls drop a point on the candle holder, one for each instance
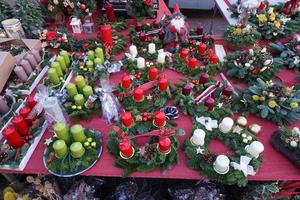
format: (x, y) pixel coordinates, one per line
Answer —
(125, 157)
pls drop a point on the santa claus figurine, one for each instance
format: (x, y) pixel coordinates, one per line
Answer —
(177, 31)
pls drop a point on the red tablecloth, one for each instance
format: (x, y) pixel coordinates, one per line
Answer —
(274, 167)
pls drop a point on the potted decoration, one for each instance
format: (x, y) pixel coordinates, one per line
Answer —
(239, 36)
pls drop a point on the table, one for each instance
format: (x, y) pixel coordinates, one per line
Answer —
(274, 166)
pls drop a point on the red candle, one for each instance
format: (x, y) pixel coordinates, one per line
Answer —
(152, 74)
(126, 119)
(214, 59)
(163, 84)
(202, 48)
(192, 63)
(210, 103)
(138, 27)
(30, 101)
(164, 144)
(199, 30)
(184, 53)
(13, 137)
(110, 12)
(138, 95)
(25, 111)
(126, 82)
(126, 148)
(20, 124)
(106, 34)
(204, 78)
(227, 91)
(160, 119)
(187, 89)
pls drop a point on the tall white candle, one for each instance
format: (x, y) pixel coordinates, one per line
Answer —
(221, 165)
(161, 58)
(20, 72)
(151, 48)
(226, 125)
(140, 63)
(198, 138)
(3, 106)
(133, 50)
(255, 149)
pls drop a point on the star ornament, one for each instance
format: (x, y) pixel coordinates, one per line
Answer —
(208, 122)
(48, 141)
(244, 166)
(237, 129)
(199, 150)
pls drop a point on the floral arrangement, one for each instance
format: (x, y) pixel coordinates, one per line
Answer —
(273, 25)
(160, 151)
(247, 66)
(213, 98)
(238, 35)
(270, 100)
(140, 9)
(288, 54)
(287, 142)
(54, 39)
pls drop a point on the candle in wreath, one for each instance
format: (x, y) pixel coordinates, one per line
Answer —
(187, 89)
(87, 91)
(126, 82)
(99, 54)
(226, 125)
(159, 119)
(255, 149)
(202, 48)
(227, 91)
(133, 50)
(192, 63)
(20, 124)
(110, 13)
(80, 82)
(138, 95)
(184, 53)
(77, 150)
(89, 64)
(153, 73)
(13, 137)
(106, 34)
(126, 149)
(164, 144)
(163, 84)
(31, 102)
(91, 55)
(57, 67)
(62, 62)
(79, 100)
(25, 111)
(214, 59)
(126, 119)
(53, 76)
(198, 138)
(204, 78)
(141, 63)
(161, 58)
(151, 48)
(209, 103)
(65, 54)
(199, 30)
(78, 133)
(60, 148)
(61, 130)
(72, 90)
(98, 61)
(221, 165)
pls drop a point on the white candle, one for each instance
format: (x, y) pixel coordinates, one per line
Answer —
(20, 72)
(133, 50)
(226, 125)
(3, 106)
(255, 148)
(151, 48)
(140, 63)
(221, 165)
(198, 138)
(161, 58)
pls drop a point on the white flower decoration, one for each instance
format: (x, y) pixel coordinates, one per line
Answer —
(208, 122)
(244, 166)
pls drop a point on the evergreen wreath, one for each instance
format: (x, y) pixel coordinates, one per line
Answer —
(147, 157)
(287, 54)
(202, 158)
(186, 99)
(68, 165)
(247, 66)
(270, 100)
(140, 9)
(142, 39)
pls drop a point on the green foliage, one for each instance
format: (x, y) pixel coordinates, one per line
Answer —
(6, 11)
(144, 44)
(263, 191)
(139, 10)
(30, 15)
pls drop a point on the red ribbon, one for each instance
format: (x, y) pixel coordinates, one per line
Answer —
(200, 98)
(145, 87)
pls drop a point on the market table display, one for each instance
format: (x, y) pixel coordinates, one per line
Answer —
(143, 88)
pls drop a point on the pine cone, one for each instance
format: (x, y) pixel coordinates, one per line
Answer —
(208, 158)
(277, 89)
(149, 151)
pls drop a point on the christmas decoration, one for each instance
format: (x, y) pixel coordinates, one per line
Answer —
(225, 169)
(30, 15)
(286, 142)
(54, 39)
(6, 11)
(270, 100)
(140, 9)
(249, 65)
